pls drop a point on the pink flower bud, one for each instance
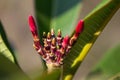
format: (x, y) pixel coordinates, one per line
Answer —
(79, 28)
(65, 41)
(32, 25)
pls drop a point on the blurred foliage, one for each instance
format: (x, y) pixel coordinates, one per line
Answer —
(57, 14)
(10, 71)
(108, 68)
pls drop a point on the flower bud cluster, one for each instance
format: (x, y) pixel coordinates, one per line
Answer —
(55, 47)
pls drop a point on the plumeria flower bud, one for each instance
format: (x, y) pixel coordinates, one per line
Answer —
(53, 41)
(79, 28)
(65, 42)
(32, 25)
(52, 33)
(59, 33)
(33, 29)
(49, 35)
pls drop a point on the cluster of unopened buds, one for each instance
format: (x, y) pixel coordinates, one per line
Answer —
(55, 47)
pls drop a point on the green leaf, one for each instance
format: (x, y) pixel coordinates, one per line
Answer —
(108, 68)
(57, 14)
(5, 48)
(9, 70)
(94, 24)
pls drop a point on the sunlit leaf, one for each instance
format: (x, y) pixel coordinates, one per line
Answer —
(5, 48)
(94, 24)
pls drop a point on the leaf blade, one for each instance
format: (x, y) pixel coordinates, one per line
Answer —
(5, 47)
(94, 24)
(58, 14)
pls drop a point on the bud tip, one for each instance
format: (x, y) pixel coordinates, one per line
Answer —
(32, 24)
(79, 27)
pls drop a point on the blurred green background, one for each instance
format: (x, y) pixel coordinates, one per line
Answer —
(14, 15)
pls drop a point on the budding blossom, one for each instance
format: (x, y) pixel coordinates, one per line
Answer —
(54, 48)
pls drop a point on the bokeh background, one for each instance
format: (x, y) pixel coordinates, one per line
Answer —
(14, 16)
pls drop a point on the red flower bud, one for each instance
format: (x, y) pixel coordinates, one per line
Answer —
(65, 41)
(79, 28)
(32, 25)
